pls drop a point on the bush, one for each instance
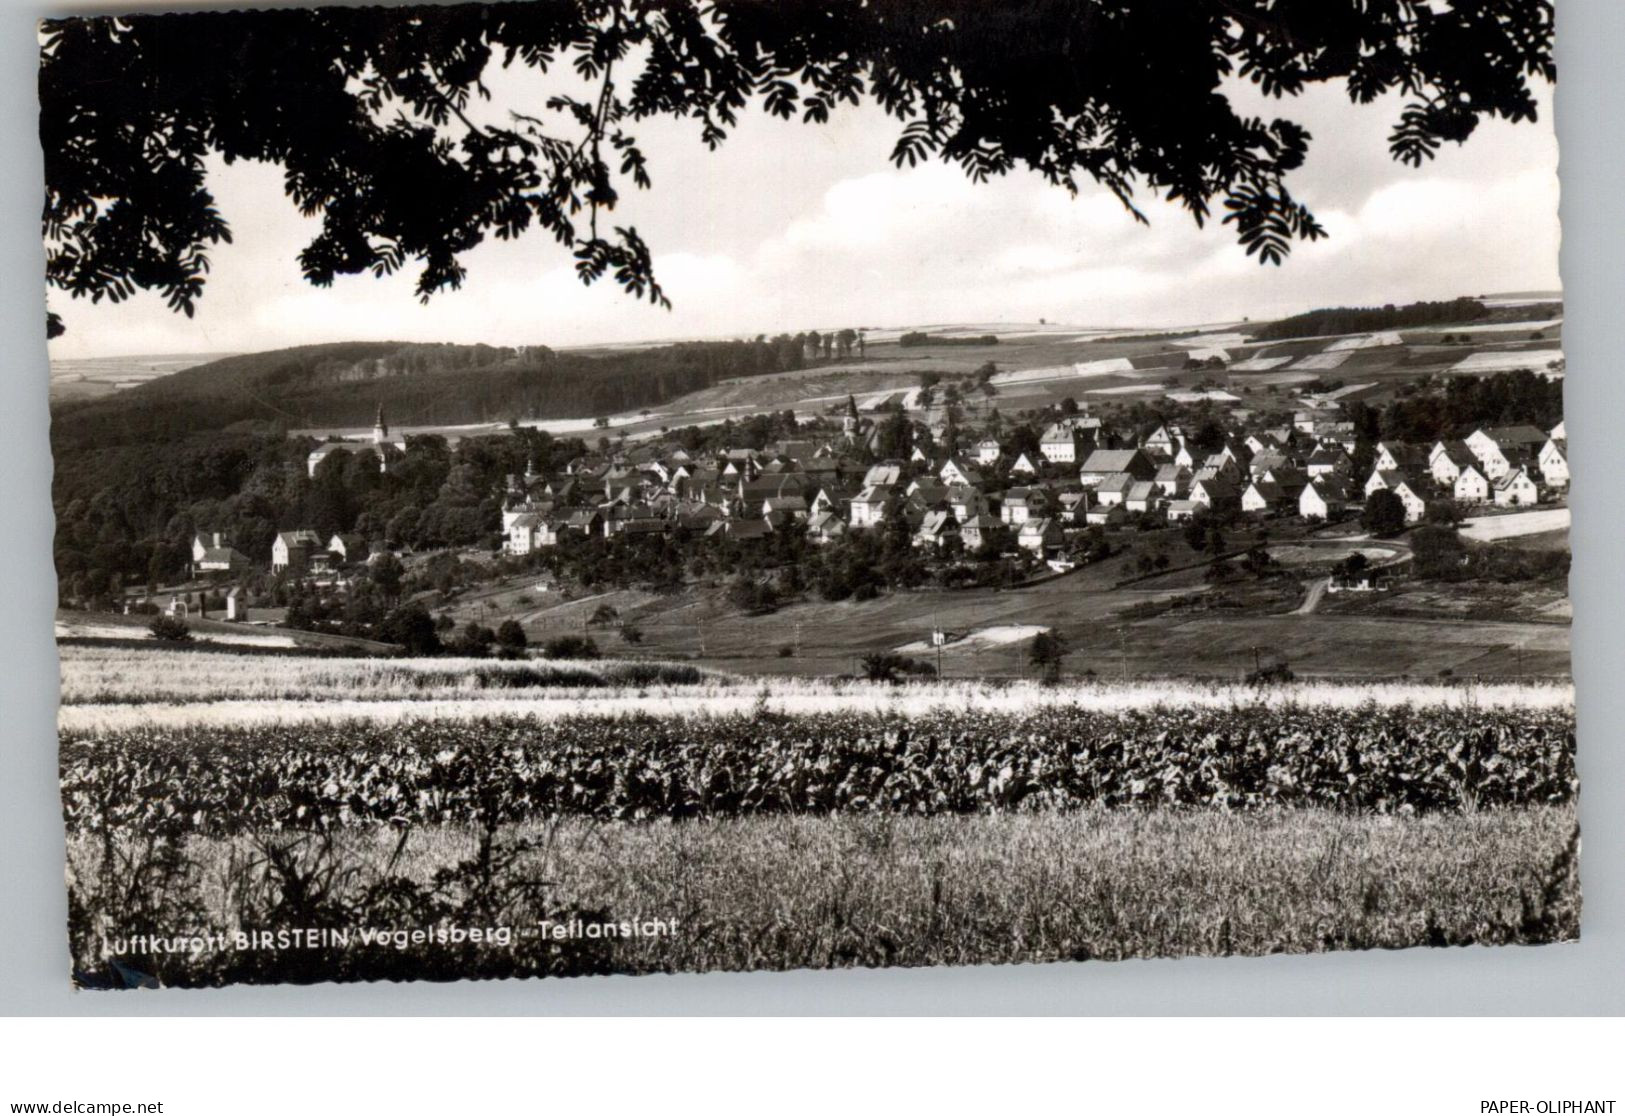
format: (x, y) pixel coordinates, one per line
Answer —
(511, 636)
(169, 629)
(412, 628)
(1275, 672)
(1384, 514)
(787, 652)
(886, 666)
(570, 647)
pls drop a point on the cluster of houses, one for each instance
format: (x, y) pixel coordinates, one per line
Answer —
(818, 487)
(1083, 474)
(298, 552)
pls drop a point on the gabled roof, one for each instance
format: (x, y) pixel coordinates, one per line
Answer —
(1405, 454)
(1332, 487)
(1520, 434)
(1111, 461)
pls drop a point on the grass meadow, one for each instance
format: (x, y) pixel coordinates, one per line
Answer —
(837, 891)
(981, 877)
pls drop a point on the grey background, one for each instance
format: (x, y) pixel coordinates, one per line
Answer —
(1586, 978)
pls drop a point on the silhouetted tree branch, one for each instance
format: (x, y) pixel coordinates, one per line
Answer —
(366, 112)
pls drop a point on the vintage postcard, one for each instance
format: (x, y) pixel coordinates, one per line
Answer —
(579, 486)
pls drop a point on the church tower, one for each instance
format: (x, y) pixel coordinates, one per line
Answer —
(849, 425)
(380, 428)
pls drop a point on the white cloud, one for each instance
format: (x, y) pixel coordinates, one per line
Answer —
(786, 229)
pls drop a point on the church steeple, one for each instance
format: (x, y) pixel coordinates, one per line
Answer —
(380, 428)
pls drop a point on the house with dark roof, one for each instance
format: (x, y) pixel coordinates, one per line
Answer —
(1103, 463)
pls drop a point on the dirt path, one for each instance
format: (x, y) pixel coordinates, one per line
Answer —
(1312, 600)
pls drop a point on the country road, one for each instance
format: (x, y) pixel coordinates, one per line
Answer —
(1312, 600)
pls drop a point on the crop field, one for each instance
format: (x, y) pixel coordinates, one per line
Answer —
(791, 822)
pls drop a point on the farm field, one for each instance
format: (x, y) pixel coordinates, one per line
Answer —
(803, 892)
(1038, 366)
(1491, 528)
(794, 823)
(825, 638)
(93, 377)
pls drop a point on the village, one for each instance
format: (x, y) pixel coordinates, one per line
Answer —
(979, 502)
(962, 493)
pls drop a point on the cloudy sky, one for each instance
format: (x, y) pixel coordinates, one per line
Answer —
(791, 227)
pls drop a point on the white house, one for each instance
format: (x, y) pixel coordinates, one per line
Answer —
(1323, 498)
(1103, 463)
(1327, 460)
(1554, 462)
(213, 553)
(1209, 491)
(1066, 442)
(1040, 535)
(1142, 496)
(987, 452)
(295, 550)
(1516, 490)
(1496, 447)
(868, 508)
(1114, 489)
(1471, 487)
(1261, 496)
(1398, 457)
(1172, 480)
(824, 527)
(520, 536)
(1447, 461)
(1022, 504)
(966, 502)
(958, 472)
(1159, 442)
(1416, 505)
(978, 530)
(937, 528)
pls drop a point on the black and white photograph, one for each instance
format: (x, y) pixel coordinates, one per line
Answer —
(570, 488)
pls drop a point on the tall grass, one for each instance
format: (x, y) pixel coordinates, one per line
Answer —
(793, 892)
(109, 691)
(95, 675)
